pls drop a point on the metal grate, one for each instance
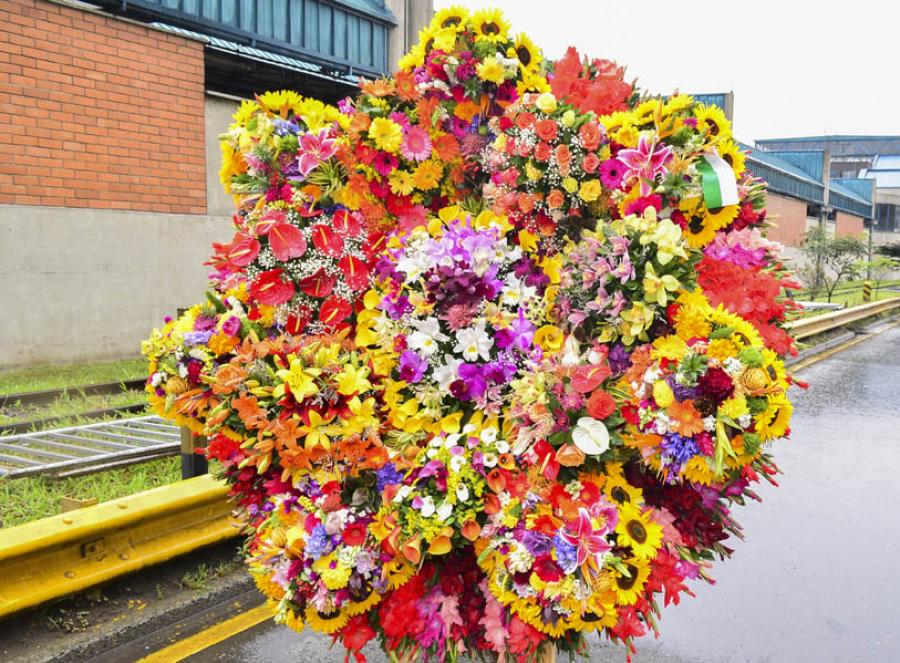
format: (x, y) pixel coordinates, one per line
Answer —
(76, 450)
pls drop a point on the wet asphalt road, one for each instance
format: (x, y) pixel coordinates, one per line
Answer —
(818, 577)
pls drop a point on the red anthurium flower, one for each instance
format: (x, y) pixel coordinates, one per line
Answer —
(327, 241)
(356, 274)
(345, 223)
(335, 310)
(269, 219)
(588, 378)
(375, 245)
(270, 290)
(318, 284)
(286, 241)
(240, 252)
(547, 459)
(296, 323)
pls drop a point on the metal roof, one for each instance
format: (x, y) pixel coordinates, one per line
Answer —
(839, 146)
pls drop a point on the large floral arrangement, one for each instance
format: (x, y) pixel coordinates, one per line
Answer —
(496, 348)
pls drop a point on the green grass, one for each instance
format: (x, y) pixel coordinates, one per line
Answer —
(202, 575)
(54, 376)
(24, 500)
(849, 299)
(70, 406)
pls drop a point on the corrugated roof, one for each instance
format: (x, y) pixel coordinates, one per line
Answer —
(840, 137)
(294, 64)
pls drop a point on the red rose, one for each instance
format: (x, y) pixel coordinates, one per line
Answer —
(590, 135)
(524, 120)
(546, 130)
(543, 152)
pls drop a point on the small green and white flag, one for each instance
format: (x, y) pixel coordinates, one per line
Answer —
(718, 181)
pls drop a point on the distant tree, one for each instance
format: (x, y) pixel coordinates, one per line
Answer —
(831, 261)
(880, 267)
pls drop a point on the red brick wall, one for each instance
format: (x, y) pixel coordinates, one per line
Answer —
(787, 219)
(98, 112)
(847, 224)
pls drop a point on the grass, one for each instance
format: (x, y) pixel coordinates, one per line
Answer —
(54, 376)
(28, 499)
(203, 574)
(69, 407)
(849, 299)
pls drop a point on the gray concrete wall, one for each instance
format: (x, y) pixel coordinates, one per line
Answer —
(219, 109)
(82, 284)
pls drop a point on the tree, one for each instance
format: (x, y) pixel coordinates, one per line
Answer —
(831, 261)
(880, 267)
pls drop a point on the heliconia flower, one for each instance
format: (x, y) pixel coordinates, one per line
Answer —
(314, 149)
(646, 162)
(416, 144)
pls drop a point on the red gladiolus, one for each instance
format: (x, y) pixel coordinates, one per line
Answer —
(357, 634)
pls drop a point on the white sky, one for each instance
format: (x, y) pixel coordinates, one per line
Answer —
(795, 67)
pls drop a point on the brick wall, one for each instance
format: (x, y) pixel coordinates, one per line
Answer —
(787, 219)
(98, 112)
(847, 224)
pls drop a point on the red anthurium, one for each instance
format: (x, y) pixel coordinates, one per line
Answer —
(238, 253)
(356, 274)
(286, 241)
(334, 310)
(269, 219)
(318, 284)
(345, 223)
(588, 378)
(547, 459)
(296, 323)
(270, 290)
(375, 245)
(327, 241)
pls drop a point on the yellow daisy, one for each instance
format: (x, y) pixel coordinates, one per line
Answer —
(386, 134)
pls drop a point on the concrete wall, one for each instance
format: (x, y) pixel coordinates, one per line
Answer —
(412, 16)
(219, 109)
(82, 284)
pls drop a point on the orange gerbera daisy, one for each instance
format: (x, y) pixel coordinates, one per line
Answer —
(405, 85)
(446, 147)
(686, 420)
(381, 87)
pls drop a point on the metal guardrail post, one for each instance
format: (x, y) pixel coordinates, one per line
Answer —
(192, 463)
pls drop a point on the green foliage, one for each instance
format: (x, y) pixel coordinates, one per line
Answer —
(890, 250)
(830, 261)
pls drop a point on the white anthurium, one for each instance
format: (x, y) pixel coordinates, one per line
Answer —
(571, 352)
(591, 436)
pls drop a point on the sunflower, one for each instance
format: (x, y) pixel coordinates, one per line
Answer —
(647, 111)
(620, 491)
(326, 622)
(280, 103)
(451, 17)
(699, 232)
(525, 51)
(415, 57)
(357, 607)
(265, 585)
(677, 103)
(290, 619)
(532, 82)
(774, 422)
(712, 120)
(629, 587)
(637, 531)
(733, 155)
(489, 25)
(699, 470)
(720, 217)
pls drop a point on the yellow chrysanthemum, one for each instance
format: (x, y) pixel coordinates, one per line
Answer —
(636, 530)
(669, 347)
(491, 70)
(489, 25)
(734, 408)
(713, 121)
(386, 134)
(721, 349)
(662, 394)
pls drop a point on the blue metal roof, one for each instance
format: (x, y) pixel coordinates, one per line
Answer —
(350, 36)
(839, 146)
(784, 177)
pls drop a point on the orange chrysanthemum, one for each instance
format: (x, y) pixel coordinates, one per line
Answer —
(686, 420)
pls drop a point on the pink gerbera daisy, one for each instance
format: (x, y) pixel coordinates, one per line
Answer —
(385, 163)
(416, 144)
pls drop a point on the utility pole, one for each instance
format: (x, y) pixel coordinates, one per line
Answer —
(871, 230)
(823, 215)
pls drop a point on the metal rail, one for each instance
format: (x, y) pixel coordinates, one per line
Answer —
(88, 448)
(49, 395)
(827, 321)
(60, 555)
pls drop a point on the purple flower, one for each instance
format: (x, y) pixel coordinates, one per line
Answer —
(197, 337)
(396, 308)
(319, 543)
(619, 359)
(232, 326)
(204, 323)
(536, 543)
(472, 375)
(387, 476)
(412, 367)
(678, 450)
(566, 554)
(611, 173)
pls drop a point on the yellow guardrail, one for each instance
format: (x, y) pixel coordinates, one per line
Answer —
(53, 557)
(827, 321)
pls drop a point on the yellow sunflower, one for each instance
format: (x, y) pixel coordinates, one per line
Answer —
(415, 57)
(733, 155)
(637, 531)
(532, 82)
(279, 102)
(326, 622)
(774, 422)
(712, 120)
(525, 51)
(699, 232)
(721, 217)
(699, 469)
(489, 25)
(629, 587)
(361, 606)
(677, 103)
(620, 491)
(451, 17)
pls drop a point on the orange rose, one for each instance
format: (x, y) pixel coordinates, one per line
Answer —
(591, 163)
(525, 120)
(543, 152)
(563, 155)
(555, 199)
(546, 130)
(590, 135)
(600, 405)
(526, 203)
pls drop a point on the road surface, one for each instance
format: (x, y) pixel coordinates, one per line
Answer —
(816, 578)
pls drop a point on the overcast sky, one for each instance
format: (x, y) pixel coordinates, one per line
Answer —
(796, 68)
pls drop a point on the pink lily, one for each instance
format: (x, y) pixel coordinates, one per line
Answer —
(590, 543)
(314, 149)
(645, 162)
